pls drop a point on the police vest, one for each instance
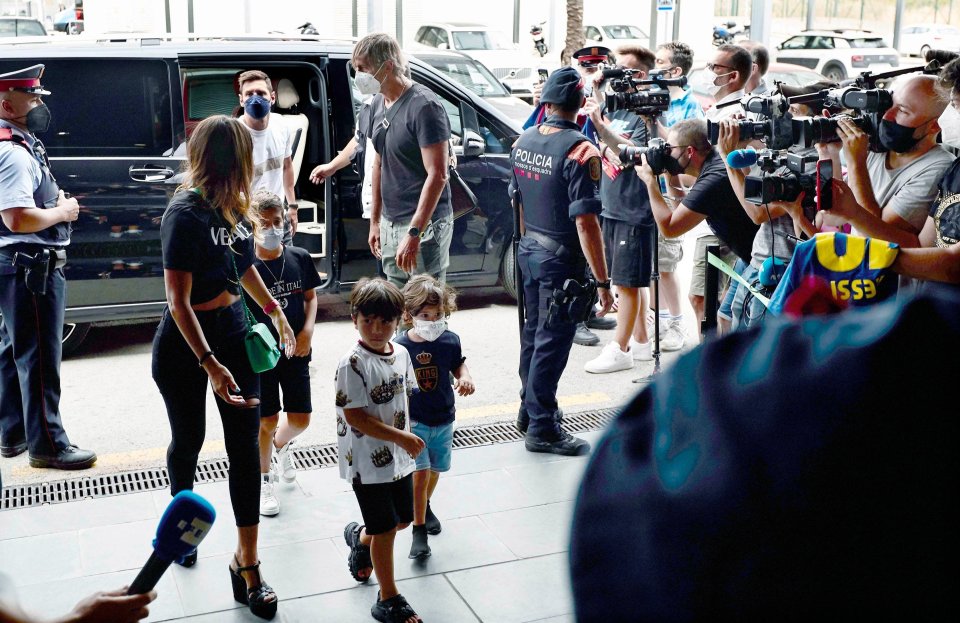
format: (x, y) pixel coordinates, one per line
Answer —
(538, 161)
(45, 196)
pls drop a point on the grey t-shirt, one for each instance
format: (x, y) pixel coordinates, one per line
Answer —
(418, 121)
(909, 190)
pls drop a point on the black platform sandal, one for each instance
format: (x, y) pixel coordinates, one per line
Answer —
(258, 597)
(393, 610)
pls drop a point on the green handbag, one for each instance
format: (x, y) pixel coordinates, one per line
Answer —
(262, 350)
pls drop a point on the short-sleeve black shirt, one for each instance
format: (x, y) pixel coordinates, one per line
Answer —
(195, 239)
(287, 278)
(433, 362)
(713, 196)
(419, 121)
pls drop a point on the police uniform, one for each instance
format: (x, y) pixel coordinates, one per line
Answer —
(555, 175)
(592, 56)
(32, 294)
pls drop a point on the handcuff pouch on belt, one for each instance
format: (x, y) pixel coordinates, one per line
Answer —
(39, 266)
(572, 302)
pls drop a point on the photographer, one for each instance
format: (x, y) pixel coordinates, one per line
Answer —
(628, 226)
(895, 189)
(711, 198)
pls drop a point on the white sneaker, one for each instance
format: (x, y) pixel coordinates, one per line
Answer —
(610, 359)
(641, 352)
(675, 337)
(269, 506)
(288, 473)
(651, 316)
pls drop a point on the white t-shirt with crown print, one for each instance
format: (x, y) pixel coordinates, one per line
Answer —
(380, 385)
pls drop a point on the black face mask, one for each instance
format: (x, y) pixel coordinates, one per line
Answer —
(672, 165)
(38, 119)
(896, 137)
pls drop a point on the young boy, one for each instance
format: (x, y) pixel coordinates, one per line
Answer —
(290, 276)
(436, 354)
(376, 447)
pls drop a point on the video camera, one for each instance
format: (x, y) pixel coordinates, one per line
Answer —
(657, 151)
(627, 95)
(869, 106)
(784, 177)
(774, 129)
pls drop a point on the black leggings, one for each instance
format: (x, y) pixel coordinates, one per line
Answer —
(183, 385)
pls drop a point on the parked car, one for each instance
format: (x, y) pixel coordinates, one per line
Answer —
(472, 74)
(514, 67)
(122, 158)
(917, 39)
(70, 21)
(839, 54)
(21, 27)
(794, 75)
(614, 36)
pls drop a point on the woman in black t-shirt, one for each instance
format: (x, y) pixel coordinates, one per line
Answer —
(206, 235)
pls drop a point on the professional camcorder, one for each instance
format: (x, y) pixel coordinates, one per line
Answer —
(657, 152)
(784, 177)
(868, 106)
(773, 128)
(627, 94)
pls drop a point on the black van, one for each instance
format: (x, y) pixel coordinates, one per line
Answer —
(123, 108)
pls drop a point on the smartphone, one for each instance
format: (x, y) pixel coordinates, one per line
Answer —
(543, 75)
(824, 184)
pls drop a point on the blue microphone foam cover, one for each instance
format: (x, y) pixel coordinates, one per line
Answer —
(184, 523)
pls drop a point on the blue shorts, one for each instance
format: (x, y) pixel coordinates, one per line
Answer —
(439, 446)
(726, 306)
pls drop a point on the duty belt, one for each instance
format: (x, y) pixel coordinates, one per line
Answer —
(560, 250)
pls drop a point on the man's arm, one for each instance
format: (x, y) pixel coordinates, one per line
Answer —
(436, 162)
(846, 207)
(32, 220)
(288, 184)
(931, 264)
(591, 241)
(856, 145)
(671, 222)
(322, 171)
(376, 209)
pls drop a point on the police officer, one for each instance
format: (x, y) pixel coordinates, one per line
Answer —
(34, 233)
(555, 175)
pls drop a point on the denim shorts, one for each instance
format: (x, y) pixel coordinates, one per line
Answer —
(726, 305)
(439, 446)
(434, 256)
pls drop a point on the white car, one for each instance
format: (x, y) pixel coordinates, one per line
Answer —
(614, 36)
(511, 65)
(919, 38)
(839, 54)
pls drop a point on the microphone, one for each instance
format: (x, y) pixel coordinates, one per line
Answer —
(941, 56)
(184, 524)
(742, 158)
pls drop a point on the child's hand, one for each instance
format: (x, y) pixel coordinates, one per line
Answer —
(411, 443)
(464, 385)
(304, 339)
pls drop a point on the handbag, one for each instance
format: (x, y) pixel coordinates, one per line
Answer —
(261, 346)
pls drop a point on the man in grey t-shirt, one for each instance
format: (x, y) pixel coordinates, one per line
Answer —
(411, 223)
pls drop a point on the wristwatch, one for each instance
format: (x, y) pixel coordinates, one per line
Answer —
(604, 284)
(415, 232)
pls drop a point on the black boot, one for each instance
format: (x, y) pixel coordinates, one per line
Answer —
(584, 336)
(419, 549)
(432, 524)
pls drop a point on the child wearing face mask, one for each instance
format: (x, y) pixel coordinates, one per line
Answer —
(436, 355)
(290, 276)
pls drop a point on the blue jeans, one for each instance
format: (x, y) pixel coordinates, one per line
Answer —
(544, 350)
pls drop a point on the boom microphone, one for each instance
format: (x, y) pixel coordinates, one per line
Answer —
(941, 56)
(742, 158)
(184, 524)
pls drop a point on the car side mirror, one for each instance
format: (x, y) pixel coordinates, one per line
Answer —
(473, 144)
(443, 46)
(779, 46)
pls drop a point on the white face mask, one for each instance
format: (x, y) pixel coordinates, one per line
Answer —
(950, 126)
(707, 79)
(366, 83)
(272, 238)
(429, 330)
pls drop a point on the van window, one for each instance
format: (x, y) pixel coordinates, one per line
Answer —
(30, 28)
(139, 105)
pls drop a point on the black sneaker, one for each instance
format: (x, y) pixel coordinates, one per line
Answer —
(70, 457)
(562, 443)
(604, 323)
(433, 524)
(584, 336)
(12, 450)
(523, 422)
(419, 549)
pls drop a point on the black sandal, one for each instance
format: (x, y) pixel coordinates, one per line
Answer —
(257, 597)
(359, 556)
(393, 610)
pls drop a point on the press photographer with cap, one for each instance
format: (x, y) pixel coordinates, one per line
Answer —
(34, 234)
(555, 175)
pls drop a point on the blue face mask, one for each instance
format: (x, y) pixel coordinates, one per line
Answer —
(257, 106)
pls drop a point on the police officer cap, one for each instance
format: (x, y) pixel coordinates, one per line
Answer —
(564, 87)
(592, 56)
(26, 80)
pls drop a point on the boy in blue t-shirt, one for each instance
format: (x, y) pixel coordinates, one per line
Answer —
(290, 276)
(436, 355)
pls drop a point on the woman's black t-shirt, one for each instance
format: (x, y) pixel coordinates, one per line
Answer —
(195, 239)
(287, 278)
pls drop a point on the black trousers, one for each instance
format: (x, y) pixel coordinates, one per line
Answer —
(31, 333)
(183, 385)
